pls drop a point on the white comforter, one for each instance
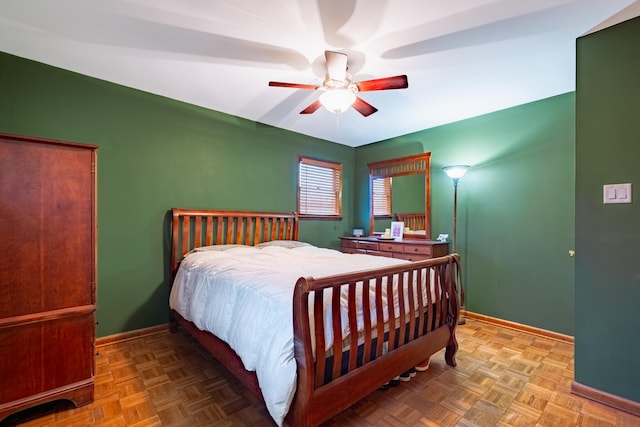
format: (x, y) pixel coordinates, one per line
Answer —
(244, 295)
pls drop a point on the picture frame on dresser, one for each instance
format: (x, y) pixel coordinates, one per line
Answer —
(397, 229)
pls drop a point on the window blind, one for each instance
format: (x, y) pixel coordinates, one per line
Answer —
(381, 196)
(319, 188)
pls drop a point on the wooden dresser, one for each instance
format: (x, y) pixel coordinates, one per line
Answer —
(47, 272)
(411, 249)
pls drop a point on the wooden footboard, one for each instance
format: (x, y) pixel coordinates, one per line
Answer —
(333, 373)
(416, 330)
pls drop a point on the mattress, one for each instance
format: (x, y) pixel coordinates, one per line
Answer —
(244, 296)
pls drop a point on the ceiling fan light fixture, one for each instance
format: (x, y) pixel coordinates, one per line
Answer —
(337, 100)
(338, 91)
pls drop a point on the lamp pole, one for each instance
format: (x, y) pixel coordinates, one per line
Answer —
(455, 212)
(456, 172)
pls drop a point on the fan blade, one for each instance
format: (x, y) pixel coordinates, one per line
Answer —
(293, 85)
(395, 82)
(144, 29)
(363, 107)
(312, 108)
(334, 15)
(336, 65)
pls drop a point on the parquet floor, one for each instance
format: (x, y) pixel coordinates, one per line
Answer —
(503, 378)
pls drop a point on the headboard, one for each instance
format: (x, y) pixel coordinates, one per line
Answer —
(195, 228)
(415, 221)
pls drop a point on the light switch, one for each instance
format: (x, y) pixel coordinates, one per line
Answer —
(616, 193)
(621, 193)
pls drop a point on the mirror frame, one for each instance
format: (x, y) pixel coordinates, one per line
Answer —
(408, 165)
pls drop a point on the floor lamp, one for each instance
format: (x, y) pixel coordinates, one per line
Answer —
(456, 172)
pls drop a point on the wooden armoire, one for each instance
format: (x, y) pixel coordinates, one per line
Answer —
(47, 272)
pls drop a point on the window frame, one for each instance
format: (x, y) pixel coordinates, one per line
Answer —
(337, 183)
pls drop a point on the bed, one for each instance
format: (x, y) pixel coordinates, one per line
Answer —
(335, 337)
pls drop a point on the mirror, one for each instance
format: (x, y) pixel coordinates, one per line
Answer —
(409, 188)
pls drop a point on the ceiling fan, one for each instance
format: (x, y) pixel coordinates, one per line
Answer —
(339, 92)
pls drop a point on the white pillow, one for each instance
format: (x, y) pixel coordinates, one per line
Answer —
(289, 244)
(215, 248)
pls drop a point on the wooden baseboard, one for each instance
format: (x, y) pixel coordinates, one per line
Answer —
(519, 327)
(605, 398)
(129, 335)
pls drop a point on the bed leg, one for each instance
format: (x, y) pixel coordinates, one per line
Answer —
(450, 352)
(173, 324)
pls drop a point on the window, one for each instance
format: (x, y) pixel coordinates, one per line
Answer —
(381, 192)
(319, 188)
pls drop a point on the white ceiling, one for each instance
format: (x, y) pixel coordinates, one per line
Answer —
(463, 58)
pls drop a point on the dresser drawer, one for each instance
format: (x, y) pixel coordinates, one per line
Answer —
(370, 246)
(348, 250)
(440, 249)
(391, 247)
(348, 244)
(411, 257)
(415, 249)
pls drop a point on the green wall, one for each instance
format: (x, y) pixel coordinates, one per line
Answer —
(608, 236)
(515, 206)
(156, 154)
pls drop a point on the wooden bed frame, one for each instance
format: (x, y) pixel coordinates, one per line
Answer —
(330, 381)
(415, 221)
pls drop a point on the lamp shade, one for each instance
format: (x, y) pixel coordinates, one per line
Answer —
(456, 172)
(337, 100)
